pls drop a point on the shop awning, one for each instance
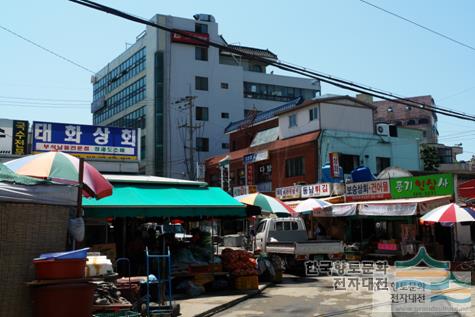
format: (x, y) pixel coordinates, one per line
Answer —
(141, 200)
(401, 207)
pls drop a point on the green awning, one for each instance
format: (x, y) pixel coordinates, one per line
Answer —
(138, 200)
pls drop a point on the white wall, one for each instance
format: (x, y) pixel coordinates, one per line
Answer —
(346, 118)
(304, 125)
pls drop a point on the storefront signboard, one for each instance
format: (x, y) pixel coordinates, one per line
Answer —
(316, 190)
(422, 186)
(244, 190)
(178, 38)
(290, 192)
(86, 140)
(255, 157)
(13, 137)
(374, 190)
(334, 165)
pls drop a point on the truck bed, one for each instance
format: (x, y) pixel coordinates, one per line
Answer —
(306, 247)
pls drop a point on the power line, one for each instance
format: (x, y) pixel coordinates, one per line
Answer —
(341, 83)
(420, 25)
(72, 107)
(46, 49)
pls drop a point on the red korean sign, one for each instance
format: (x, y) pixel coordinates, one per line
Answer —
(250, 174)
(178, 38)
(375, 190)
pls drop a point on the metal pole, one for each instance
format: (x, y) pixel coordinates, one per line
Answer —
(190, 131)
(80, 187)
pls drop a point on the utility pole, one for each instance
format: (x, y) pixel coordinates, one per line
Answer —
(188, 104)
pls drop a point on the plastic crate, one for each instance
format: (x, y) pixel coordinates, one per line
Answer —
(122, 313)
(246, 282)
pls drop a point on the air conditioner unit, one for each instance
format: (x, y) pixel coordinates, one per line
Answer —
(93, 79)
(382, 129)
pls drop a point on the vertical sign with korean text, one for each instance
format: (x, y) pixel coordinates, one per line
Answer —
(334, 165)
(13, 137)
(86, 141)
(368, 190)
(422, 186)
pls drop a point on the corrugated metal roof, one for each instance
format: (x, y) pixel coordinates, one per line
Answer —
(263, 116)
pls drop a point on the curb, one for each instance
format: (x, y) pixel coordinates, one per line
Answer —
(232, 303)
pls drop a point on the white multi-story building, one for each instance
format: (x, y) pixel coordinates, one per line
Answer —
(150, 84)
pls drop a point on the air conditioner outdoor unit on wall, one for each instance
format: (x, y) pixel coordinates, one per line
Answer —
(382, 129)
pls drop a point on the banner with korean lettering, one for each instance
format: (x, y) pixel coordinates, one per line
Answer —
(316, 190)
(422, 186)
(290, 192)
(368, 190)
(86, 140)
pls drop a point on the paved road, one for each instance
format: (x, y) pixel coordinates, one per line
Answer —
(298, 296)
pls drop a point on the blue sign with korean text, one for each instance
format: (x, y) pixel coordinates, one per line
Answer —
(86, 140)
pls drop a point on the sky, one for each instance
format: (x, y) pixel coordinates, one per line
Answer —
(344, 38)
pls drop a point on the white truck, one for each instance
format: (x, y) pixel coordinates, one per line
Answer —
(288, 239)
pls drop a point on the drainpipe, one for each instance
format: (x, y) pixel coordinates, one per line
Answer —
(319, 141)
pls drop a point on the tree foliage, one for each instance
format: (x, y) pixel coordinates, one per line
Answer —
(430, 158)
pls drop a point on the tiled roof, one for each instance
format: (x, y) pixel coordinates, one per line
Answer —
(324, 99)
(273, 146)
(253, 51)
(263, 116)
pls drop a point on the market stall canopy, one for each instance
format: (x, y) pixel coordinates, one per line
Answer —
(267, 203)
(164, 200)
(450, 213)
(308, 206)
(401, 207)
(62, 168)
(466, 190)
(24, 189)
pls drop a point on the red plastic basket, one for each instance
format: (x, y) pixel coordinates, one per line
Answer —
(59, 269)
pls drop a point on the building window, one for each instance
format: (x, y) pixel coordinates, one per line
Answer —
(411, 122)
(382, 163)
(294, 167)
(275, 92)
(349, 162)
(225, 145)
(225, 115)
(201, 53)
(313, 113)
(201, 28)
(293, 120)
(202, 144)
(202, 113)
(424, 121)
(201, 83)
(225, 85)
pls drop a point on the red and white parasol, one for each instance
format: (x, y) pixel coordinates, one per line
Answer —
(450, 213)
